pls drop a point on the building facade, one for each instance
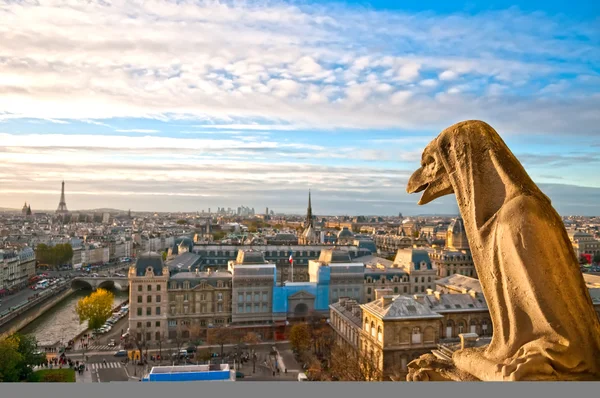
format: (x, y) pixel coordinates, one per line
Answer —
(148, 299)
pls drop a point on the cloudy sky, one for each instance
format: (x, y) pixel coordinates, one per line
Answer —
(185, 105)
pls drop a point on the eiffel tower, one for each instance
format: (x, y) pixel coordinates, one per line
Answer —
(62, 206)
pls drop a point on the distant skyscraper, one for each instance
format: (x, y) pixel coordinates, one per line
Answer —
(62, 206)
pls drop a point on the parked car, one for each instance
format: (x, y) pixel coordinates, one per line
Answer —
(239, 375)
(121, 353)
(191, 349)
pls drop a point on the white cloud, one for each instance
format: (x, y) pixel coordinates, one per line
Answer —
(448, 75)
(428, 83)
(146, 131)
(408, 72)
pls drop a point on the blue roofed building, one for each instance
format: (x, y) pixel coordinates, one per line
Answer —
(190, 373)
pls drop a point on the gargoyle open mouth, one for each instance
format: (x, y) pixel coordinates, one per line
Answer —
(431, 188)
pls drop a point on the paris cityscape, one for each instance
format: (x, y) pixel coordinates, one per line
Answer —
(200, 190)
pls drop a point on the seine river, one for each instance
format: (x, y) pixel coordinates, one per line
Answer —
(62, 322)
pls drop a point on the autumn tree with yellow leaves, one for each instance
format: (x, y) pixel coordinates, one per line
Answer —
(95, 308)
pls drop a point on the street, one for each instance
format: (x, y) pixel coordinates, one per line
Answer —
(104, 367)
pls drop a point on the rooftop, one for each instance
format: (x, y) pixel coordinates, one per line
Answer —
(330, 256)
(250, 257)
(399, 307)
(460, 282)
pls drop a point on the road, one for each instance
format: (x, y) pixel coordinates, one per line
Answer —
(104, 367)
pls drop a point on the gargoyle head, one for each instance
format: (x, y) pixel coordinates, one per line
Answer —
(431, 177)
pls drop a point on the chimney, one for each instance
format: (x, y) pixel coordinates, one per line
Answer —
(356, 310)
(437, 294)
(429, 292)
(473, 293)
(379, 293)
(197, 271)
(342, 301)
(387, 300)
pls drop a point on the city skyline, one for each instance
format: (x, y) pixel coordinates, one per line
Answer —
(256, 104)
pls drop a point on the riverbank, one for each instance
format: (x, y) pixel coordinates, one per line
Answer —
(89, 331)
(35, 310)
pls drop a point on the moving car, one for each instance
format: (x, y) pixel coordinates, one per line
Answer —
(112, 343)
(121, 353)
(239, 375)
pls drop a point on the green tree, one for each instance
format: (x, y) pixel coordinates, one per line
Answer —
(300, 337)
(30, 357)
(597, 258)
(95, 308)
(164, 256)
(10, 360)
(182, 222)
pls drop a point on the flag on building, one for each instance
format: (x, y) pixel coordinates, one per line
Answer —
(291, 257)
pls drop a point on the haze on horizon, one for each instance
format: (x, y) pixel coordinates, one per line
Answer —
(190, 105)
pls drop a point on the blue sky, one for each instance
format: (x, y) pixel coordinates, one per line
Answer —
(182, 106)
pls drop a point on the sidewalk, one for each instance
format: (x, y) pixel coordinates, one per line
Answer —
(165, 348)
(85, 377)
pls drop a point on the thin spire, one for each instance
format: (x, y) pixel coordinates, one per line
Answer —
(309, 218)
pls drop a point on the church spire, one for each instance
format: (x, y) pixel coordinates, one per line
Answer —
(309, 216)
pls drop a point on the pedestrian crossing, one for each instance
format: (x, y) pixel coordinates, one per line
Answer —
(107, 365)
(100, 347)
(90, 366)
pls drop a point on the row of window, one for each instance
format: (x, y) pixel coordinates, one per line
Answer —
(397, 279)
(249, 308)
(148, 298)
(148, 288)
(186, 297)
(148, 311)
(248, 296)
(203, 285)
(203, 309)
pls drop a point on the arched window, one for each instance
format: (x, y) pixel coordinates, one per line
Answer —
(473, 326)
(416, 335)
(449, 329)
(367, 325)
(379, 334)
(373, 330)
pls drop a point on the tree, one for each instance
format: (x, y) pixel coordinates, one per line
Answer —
(18, 355)
(10, 358)
(54, 255)
(252, 340)
(95, 308)
(221, 335)
(30, 357)
(585, 258)
(300, 337)
(182, 222)
(597, 258)
(350, 365)
(164, 256)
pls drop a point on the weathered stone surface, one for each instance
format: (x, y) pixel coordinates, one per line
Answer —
(544, 324)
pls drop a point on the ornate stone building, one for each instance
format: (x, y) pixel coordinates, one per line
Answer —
(456, 257)
(197, 302)
(411, 272)
(398, 328)
(148, 298)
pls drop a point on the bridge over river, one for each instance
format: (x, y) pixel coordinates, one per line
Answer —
(107, 282)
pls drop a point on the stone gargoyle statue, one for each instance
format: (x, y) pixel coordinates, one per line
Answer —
(544, 323)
